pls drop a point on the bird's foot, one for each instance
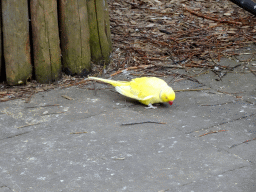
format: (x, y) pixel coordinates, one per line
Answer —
(150, 106)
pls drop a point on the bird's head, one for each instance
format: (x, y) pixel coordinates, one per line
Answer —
(167, 95)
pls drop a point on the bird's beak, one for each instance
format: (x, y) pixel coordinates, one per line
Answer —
(170, 102)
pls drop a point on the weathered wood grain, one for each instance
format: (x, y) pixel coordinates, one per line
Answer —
(100, 41)
(1, 46)
(103, 27)
(94, 35)
(46, 43)
(16, 41)
(74, 33)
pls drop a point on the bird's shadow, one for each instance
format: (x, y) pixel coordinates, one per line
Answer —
(129, 102)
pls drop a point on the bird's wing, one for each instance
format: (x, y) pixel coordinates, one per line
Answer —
(129, 92)
(146, 87)
(147, 97)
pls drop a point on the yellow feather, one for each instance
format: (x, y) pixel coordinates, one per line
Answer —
(148, 90)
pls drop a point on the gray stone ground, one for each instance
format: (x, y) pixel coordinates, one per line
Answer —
(109, 156)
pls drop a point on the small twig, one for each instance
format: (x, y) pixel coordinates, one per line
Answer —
(27, 125)
(28, 99)
(53, 113)
(164, 31)
(132, 68)
(212, 132)
(252, 71)
(182, 90)
(170, 66)
(205, 72)
(232, 68)
(243, 117)
(85, 81)
(242, 142)
(210, 18)
(44, 106)
(119, 158)
(227, 92)
(79, 132)
(190, 78)
(143, 123)
(67, 97)
(164, 190)
(218, 104)
(17, 135)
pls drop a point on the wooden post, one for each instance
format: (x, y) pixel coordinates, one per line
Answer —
(16, 41)
(46, 43)
(104, 28)
(74, 33)
(1, 45)
(100, 41)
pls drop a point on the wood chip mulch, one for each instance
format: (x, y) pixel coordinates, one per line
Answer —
(153, 37)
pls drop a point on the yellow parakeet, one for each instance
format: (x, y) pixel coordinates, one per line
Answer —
(148, 90)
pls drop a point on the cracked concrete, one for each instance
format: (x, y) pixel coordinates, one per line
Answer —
(81, 144)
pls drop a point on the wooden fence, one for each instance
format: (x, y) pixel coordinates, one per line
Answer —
(43, 37)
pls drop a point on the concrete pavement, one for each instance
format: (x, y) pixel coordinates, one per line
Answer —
(56, 144)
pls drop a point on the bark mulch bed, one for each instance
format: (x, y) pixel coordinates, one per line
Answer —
(159, 38)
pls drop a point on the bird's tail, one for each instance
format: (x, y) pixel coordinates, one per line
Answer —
(112, 82)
